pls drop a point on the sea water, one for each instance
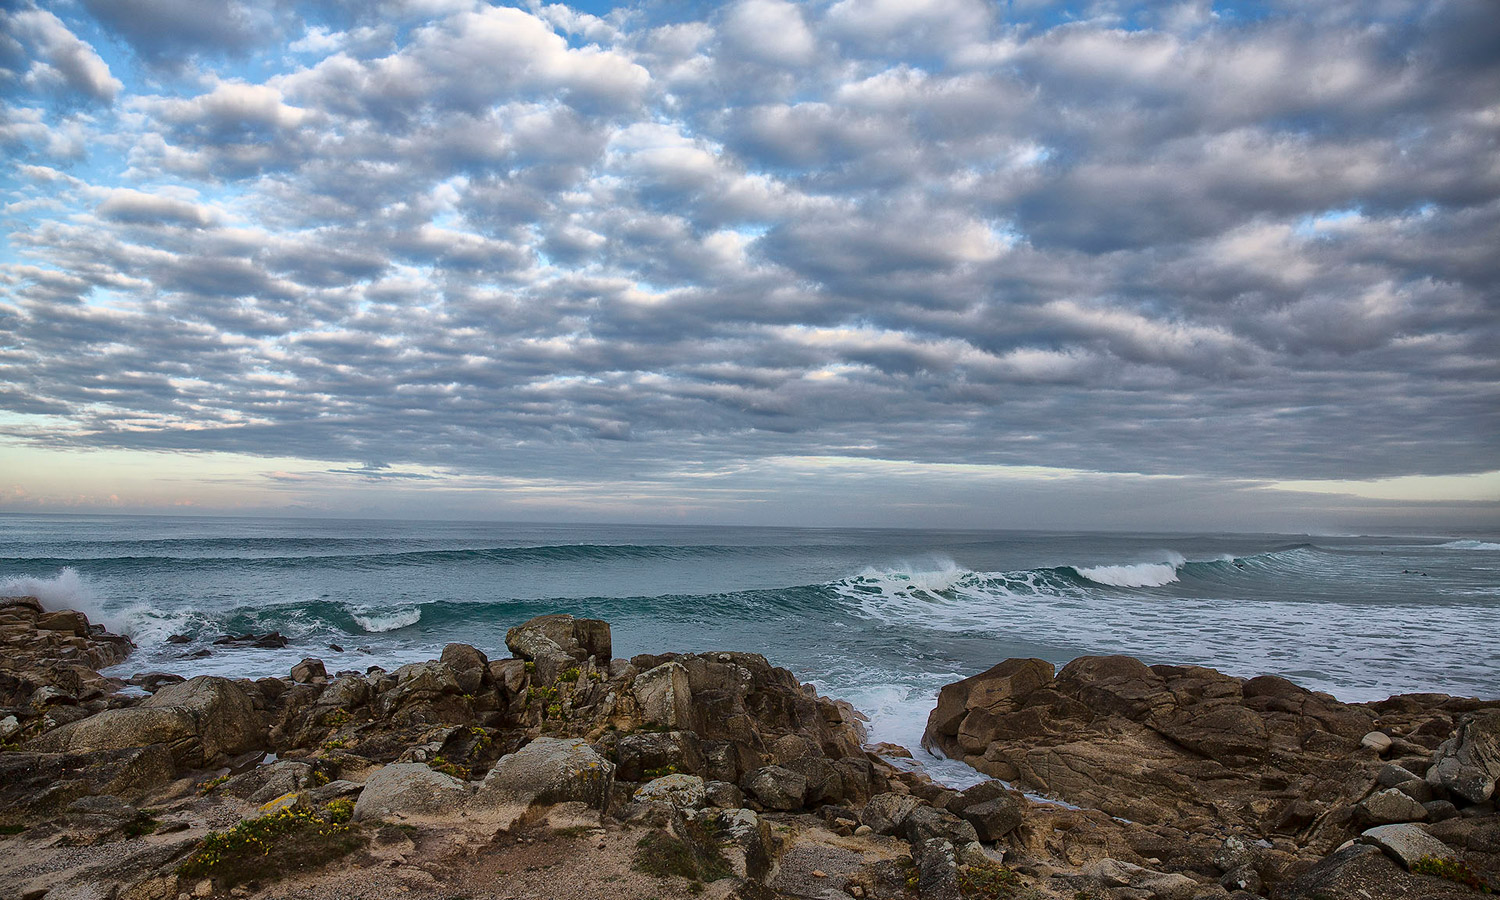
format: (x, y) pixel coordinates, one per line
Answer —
(880, 617)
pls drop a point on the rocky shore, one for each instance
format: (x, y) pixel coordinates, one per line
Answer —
(562, 771)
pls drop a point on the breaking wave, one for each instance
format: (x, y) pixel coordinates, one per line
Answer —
(1469, 545)
(1135, 576)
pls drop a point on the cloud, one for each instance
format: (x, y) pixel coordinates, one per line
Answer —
(60, 59)
(503, 241)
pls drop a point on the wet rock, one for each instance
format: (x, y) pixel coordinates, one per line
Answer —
(308, 671)
(410, 791)
(154, 681)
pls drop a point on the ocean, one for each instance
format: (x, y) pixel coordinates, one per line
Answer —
(880, 617)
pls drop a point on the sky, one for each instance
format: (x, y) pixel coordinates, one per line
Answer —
(868, 262)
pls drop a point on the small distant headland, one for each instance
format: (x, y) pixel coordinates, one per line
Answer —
(561, 771)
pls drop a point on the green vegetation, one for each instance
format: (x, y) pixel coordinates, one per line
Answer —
(141, 825)
(529, 667)
(337, 718)
(699, 858)
(272, 845)
(668, 769)
(11, 829)
(438, 764)
(990, 881)
(1453, 870)
(569, 674)
(208, 787)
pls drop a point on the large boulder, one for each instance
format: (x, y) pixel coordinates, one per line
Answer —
(775, 787)
(408, 791)
(556, 642)
(657, 752)
(886, 813)
(202, 721)
(664, 696)
(1468, 764)
(37, 785)
(547, 771)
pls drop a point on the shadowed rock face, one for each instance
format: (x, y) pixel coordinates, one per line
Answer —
(1161, 745)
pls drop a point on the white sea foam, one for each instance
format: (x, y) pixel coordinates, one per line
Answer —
(380, 621)
(66, 590)
(1134, 576)
(1469, 545)
(940, 573)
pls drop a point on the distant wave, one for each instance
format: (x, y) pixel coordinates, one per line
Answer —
(264, 553)
(1469, 545)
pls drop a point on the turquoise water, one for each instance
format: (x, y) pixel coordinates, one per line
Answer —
(880, 617)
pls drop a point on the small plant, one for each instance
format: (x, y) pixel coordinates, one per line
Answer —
(212, 785)
(569, 674)
(340, 810)
(438, 764)
(668, 769)
(338, 718)
(596, 676)
(572, 831)
(530, 667)
(1453, 870)
(482, 739)
(334, 744)
(269, 846)
(554, 711)
(697, 859)
(141, 825)
(989, 881)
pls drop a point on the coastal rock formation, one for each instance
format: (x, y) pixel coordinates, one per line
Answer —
(1181, 782)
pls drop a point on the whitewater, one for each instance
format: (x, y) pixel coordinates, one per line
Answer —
(881, 617)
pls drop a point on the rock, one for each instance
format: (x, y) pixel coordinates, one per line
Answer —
(824, 783)
(1378, 741)
(9, 728)
(1405, 843)
(681, 791)
(202, 721)
(410, 791)
(308, 671)
(1115, 873)
(937, 870)
(1468, 764)
(555, 642)
(664, 695)
(993, 819)
(886, 813)
(1242, 878)
(998, 689)
(926, 823)
(470, 667)
(776, 787)
(746, 840)
(34, 785)
(1440, 810)
(637, 754)
(547, 771)
(1391, 806)
(151, 682)
(724, 795)
(1391, 775)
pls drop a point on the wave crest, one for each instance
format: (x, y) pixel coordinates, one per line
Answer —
(66, 590)
(1469, 545)
(381, 621)
(1135, 576)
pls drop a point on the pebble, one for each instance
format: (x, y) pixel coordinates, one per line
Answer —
(819, 873)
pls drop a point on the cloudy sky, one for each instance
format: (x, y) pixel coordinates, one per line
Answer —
(875, 262)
